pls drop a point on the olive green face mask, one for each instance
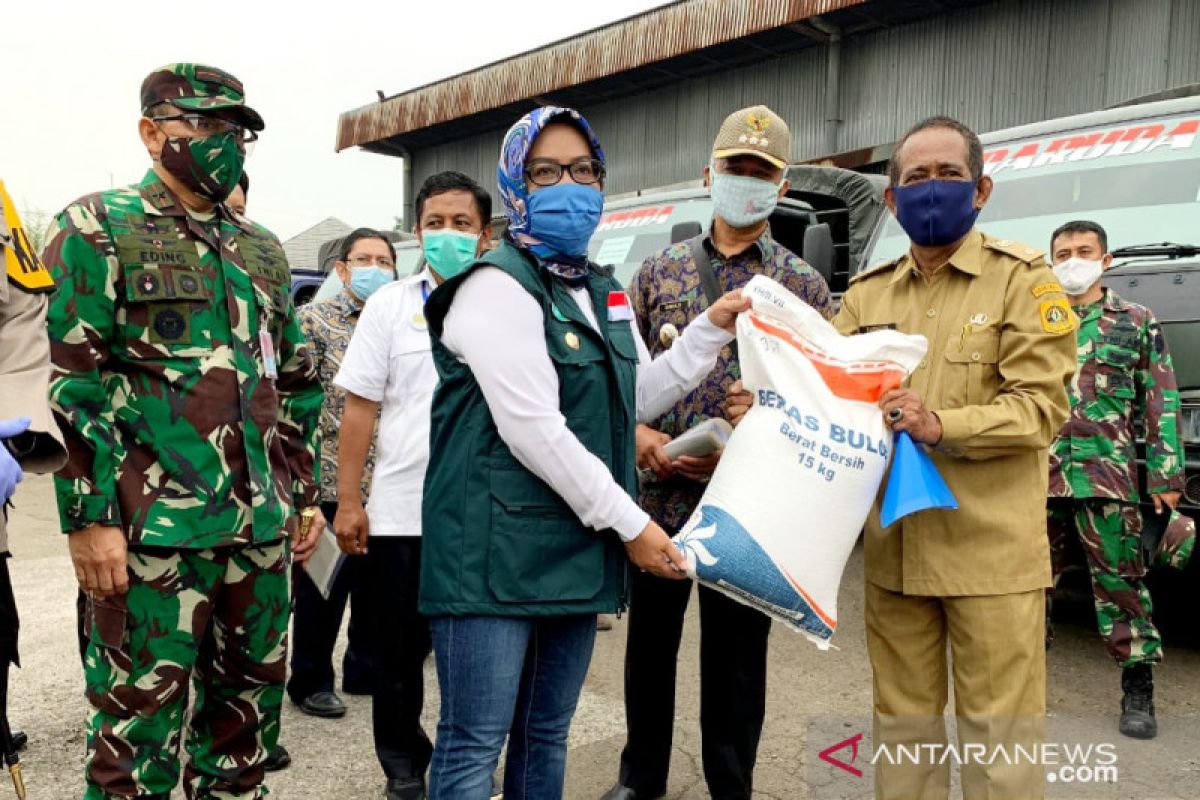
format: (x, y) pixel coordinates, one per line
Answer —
(208, 165)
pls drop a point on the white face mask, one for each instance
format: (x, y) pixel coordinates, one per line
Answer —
(740, 200)
(1078, 274)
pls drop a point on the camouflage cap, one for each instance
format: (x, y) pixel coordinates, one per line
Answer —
(198, 87)
(754, 131)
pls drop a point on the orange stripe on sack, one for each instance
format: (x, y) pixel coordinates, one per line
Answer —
(866, 383)
(830, 621)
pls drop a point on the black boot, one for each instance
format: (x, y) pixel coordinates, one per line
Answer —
(1137, 706)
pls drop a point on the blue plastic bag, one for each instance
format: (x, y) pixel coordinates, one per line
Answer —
(913, 483)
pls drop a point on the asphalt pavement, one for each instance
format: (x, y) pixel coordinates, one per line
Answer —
(816, 700)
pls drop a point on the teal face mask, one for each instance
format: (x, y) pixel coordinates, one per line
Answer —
(449, 252)
(366, 281)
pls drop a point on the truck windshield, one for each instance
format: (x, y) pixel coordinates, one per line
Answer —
(1139, 179)
(626, 236)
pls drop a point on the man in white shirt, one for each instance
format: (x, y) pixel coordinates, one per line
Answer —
(388, 370)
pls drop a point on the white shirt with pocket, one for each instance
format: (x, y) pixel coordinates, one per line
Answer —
(389, 361)
(498, 329)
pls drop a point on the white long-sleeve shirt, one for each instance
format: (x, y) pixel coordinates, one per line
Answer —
(498, 329)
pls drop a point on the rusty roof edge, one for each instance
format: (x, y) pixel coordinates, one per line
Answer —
(653, 35)
(523, 53)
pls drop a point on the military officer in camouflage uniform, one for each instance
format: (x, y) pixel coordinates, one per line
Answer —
(1124, 372)
(189, 404)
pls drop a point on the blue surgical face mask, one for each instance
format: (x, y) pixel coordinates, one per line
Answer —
(936, 212)
(449, 252)
(366, 281)
(740, 200)
(564, 216)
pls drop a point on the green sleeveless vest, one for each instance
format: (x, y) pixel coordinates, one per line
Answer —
(498, 540)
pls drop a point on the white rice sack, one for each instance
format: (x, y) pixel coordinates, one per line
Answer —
(798, 476)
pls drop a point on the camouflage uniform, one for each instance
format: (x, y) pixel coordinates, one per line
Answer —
(1124, 372)
(177, 434)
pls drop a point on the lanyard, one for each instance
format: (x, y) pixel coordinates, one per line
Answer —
(424, 292)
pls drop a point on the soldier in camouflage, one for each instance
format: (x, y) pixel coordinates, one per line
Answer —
(189, 405)
(1124, 374)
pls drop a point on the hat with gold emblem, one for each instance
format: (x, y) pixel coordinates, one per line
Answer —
(755, 131)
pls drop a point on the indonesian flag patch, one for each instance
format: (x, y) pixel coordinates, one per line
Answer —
(618, 307)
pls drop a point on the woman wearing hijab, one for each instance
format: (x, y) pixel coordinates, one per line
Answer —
(528, 509)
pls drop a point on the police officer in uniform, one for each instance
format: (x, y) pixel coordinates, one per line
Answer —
(29, 439)
(189, 405)
(987, 400)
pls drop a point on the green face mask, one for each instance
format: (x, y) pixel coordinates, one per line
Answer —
(449, 252)
(209, 165)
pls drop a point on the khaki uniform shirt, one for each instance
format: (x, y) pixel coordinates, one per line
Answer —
(1001, 353)
(25, 352)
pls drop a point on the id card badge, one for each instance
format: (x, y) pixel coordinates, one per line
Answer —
(267, 345)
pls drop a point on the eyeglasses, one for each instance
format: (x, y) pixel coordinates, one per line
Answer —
(207, 125)
(544, 172)
(383, 262)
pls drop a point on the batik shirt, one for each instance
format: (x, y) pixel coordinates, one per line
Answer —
(181, 380)
(1124, 374)
(328, 326)
(666, 294)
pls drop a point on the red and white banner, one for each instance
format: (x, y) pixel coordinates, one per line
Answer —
(635, 218)
(1140, 137)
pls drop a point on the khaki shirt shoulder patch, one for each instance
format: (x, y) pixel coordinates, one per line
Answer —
(1018, 250)
(1046, 288)
(876, 270)
(1056, 316)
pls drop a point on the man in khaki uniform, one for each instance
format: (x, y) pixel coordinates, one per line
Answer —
(987, 400)
(29, 439)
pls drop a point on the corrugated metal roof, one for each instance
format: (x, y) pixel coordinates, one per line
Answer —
(1074, 74)
(990, 64)
(635, 42)
(1137, 64)
(1185, 33)
(1020, 51)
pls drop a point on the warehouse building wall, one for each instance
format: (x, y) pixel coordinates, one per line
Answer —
(1009, 63)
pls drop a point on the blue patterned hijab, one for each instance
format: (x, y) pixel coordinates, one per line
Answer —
(510, 175)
